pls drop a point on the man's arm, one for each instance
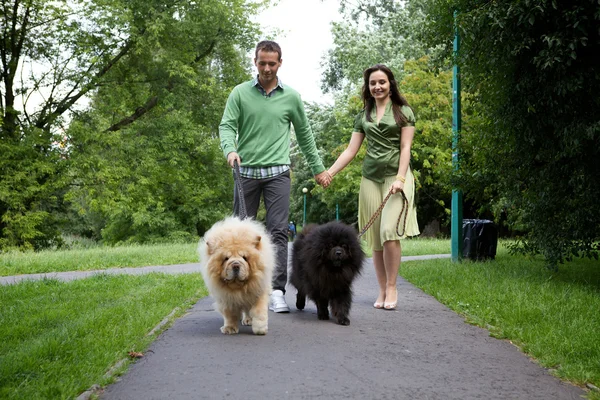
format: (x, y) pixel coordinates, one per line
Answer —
(306, 139)
(228, 128)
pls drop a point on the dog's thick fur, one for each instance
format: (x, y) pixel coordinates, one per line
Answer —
(237, 259)
(325, 261)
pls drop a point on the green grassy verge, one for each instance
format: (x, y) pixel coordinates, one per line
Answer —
(417, 247)
(16, 263)
(551, 316)
(57, 339)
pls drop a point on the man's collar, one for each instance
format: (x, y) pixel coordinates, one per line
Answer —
(256, 82)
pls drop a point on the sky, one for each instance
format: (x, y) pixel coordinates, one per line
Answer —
(304, 38)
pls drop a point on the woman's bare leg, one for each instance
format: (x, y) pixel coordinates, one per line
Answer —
(391, 259)
(381, 274)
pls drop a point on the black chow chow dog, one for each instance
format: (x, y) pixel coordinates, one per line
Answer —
(325, 260)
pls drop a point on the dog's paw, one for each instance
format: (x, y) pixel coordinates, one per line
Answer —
(343, 321)
(247, 321)
(260, 330)
(229, 330)
(323, 316)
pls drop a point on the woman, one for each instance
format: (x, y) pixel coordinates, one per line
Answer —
(388, 123)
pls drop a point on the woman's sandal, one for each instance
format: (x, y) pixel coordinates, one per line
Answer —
(379, 304)
(391, 306)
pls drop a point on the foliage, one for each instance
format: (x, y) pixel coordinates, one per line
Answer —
(372, 32)
(332, 126)
(381, 31)
(533, 69)
(150, 182)
(30, 187)
(430, 96)
(126, 73)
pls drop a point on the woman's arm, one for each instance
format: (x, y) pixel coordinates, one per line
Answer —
(348, 154)
(406, 138)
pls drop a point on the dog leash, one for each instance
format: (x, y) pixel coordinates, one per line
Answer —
(243, 214)
(404, 211)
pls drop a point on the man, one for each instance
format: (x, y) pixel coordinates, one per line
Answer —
(292, 231)
(255, 132)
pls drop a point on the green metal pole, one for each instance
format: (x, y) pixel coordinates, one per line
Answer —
(337, 211)
(304, 190)
(457, 209)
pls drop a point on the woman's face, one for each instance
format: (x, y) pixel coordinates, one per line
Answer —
(379, 85)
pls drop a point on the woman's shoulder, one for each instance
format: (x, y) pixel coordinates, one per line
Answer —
(359, 119)
(408, 113)
(361, 113)
(407, 110)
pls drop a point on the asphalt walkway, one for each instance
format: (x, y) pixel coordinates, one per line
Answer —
(422, 350)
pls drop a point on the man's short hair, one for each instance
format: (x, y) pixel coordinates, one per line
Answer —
(267, 45)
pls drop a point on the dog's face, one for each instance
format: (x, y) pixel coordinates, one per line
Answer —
(338, 249)
(336, 243)
(338, 252)
(234, 259)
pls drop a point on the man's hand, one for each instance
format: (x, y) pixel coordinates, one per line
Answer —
(233, 156)
(323, 179)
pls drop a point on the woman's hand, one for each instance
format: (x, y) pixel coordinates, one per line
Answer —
(323, 179)
(397, 186)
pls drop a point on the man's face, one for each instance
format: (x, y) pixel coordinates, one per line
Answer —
(267, 63)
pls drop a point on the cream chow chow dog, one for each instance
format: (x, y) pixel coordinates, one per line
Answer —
(237, 260)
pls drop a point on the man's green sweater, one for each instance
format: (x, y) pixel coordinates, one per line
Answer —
(262, 127)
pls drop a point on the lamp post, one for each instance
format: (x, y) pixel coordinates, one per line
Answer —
(456, 239)
(304, 190)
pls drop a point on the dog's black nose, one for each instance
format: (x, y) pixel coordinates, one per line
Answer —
(338, 252)
(236, 268)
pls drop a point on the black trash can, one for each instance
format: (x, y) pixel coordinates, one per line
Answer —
(480, 239)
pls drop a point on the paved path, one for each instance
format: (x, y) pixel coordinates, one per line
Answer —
(420, 351)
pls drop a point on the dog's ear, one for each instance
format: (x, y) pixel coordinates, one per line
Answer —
(258, 242)
(210, 247)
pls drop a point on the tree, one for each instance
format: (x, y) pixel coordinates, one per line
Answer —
(372, 32)
(144, 53)
(532, 66)
(384, 31)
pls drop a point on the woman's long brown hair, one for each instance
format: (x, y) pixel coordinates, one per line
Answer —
(397, 99)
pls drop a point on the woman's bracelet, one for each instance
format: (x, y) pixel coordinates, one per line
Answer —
(400, 178)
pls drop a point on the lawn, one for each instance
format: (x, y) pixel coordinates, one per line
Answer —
(58, 339)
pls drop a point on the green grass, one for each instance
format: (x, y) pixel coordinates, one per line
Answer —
(423, 246)
(552, 316)
(16, 263)
(417, 247)
(58, 339)
(98, 258)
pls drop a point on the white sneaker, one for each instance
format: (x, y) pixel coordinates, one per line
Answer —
(277, 302)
